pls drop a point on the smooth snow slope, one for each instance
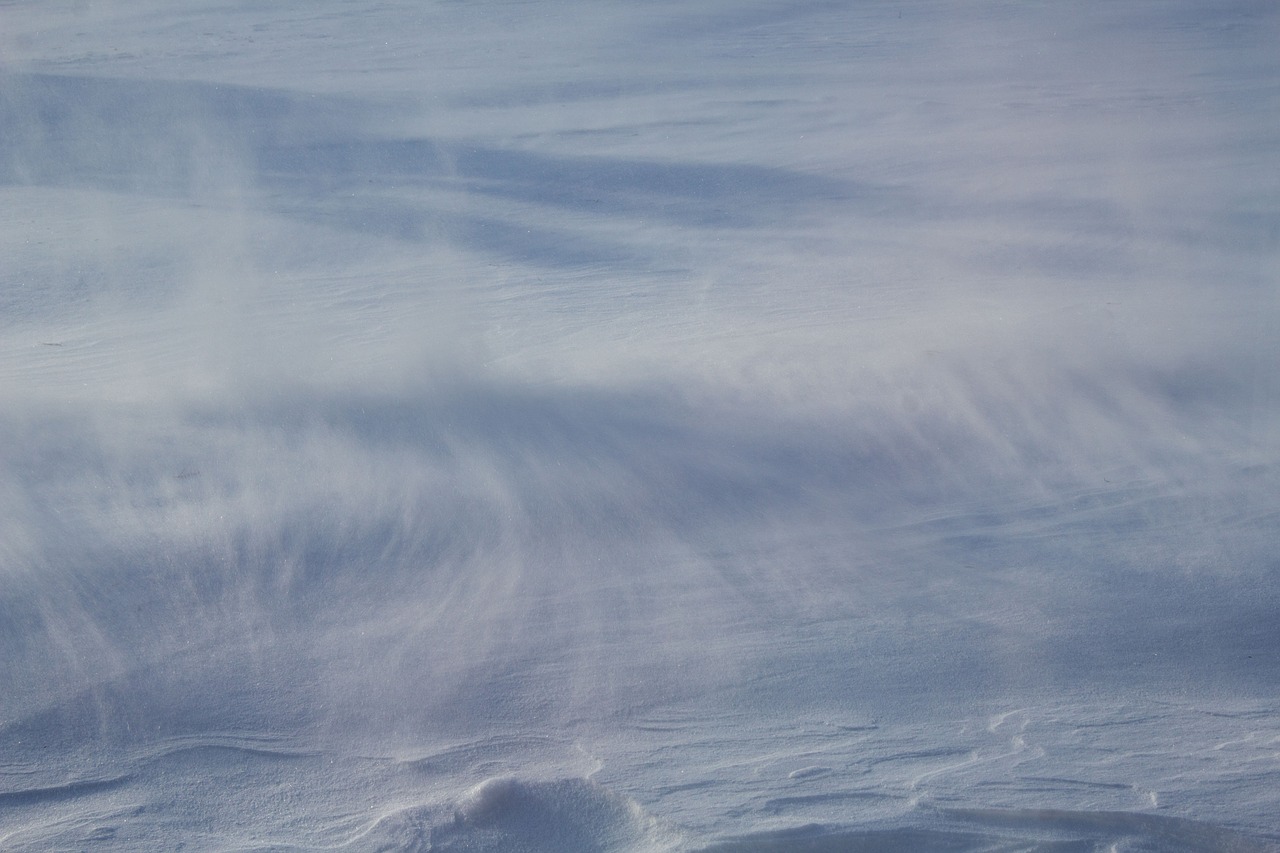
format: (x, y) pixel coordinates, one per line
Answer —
(569, 426)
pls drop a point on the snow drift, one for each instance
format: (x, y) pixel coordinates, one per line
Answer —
(757, 427)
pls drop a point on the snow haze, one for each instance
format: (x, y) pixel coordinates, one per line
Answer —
(638, 426)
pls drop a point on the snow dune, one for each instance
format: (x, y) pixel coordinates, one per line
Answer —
(639, 426)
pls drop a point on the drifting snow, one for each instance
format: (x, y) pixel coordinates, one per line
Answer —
(636, 426)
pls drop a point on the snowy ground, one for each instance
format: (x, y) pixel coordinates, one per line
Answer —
(566, 426)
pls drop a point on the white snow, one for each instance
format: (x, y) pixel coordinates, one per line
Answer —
(639, 426)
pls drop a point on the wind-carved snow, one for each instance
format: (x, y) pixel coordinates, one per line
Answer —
(634, 426)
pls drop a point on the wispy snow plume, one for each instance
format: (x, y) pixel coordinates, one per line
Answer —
(638, 426)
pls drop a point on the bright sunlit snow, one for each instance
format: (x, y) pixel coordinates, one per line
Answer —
(639, 426)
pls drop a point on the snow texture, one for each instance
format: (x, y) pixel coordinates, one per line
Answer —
(639, 426)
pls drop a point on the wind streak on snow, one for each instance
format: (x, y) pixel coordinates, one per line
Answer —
(361, 398)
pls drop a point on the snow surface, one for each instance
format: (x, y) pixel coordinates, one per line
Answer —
(639, 426)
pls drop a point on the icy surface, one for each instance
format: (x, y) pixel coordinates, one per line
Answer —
(639, 426)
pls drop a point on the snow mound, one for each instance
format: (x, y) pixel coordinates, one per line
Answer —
(511, 814)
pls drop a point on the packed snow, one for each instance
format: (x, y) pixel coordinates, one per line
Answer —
(639, 426)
